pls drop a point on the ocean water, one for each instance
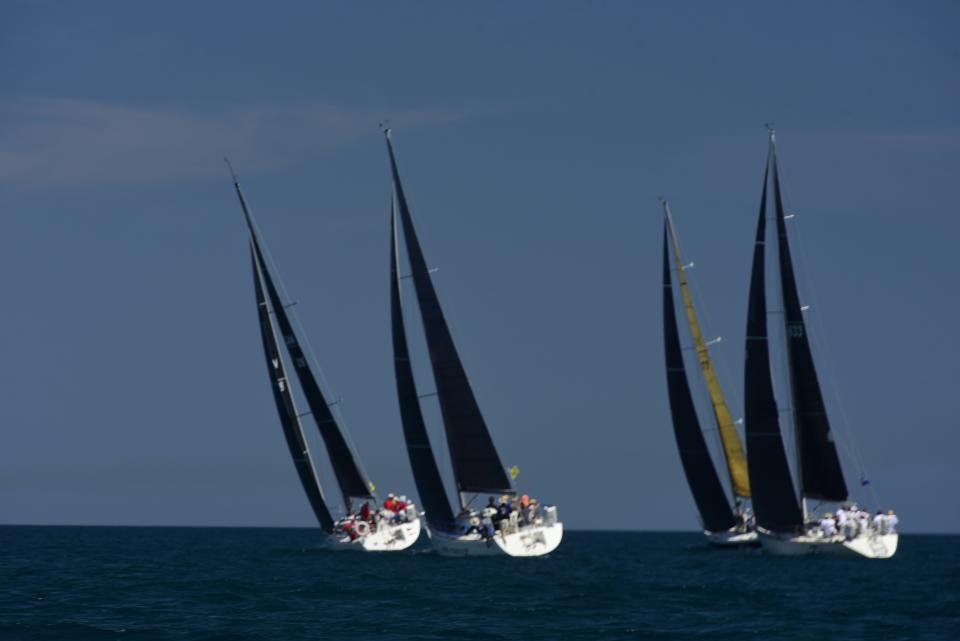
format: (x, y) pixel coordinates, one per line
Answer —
(77, 583)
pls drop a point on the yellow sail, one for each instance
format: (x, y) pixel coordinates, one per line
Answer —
(732, 448)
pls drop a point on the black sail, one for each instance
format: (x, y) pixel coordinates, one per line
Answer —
(701, 474)
(426, 474)
(282, 395)
(476, 463)
(774, 501)
(345, 468)
(819, 466)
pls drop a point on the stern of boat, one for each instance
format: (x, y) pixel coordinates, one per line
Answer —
(533, 540)
(732, 539)
(878, 546)
(392, 537)
(870, 545)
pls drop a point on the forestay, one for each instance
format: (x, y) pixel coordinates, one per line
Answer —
(701, 475)
(774, 501)
(426, 474)
(476, 463)
(732, 448)
(819, 466)
(283, 396)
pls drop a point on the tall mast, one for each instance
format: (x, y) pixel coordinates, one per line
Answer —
(774, 500)
(426, 474)
(701, 475)
(788, 392)
(732, 448)
(476, 464)
(286, 407)
(346, 469)
(818, 465)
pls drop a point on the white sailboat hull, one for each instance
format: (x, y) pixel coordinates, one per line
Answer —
(732, 539)
(391, 537)
(868, 545)
(531, 540)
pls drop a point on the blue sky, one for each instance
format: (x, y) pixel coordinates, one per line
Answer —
(534, 139)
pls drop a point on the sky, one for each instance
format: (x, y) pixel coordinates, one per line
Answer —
(534, 140)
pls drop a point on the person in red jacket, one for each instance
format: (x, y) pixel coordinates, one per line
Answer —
(365, 512)
(351, 531)
(402, 504)
(390, 503)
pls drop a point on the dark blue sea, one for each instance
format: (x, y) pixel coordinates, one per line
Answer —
(78, 583)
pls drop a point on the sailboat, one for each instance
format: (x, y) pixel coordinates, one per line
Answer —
(372, 531)
(723, 526)
(477, 469)
(784, 524)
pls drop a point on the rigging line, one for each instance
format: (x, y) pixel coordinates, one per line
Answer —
(453, 323)
(721, 372)
(821, 345)
(707, 327)
(319, 473)
(323, 465)
(780, 358)
(436, 430)
(702, 406)
(846, 436)
(336, 406)
(306, 442)
(701, 397)
(309, 352)
(701, 393)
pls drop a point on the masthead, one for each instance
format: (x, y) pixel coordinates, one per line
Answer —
(233, 174)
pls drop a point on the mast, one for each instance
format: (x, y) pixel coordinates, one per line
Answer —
(286, 408)
(701, 476)
(426, 474)
(818, 465)
(732, 448)
(476, 464)
(774, 501)
(345, 467)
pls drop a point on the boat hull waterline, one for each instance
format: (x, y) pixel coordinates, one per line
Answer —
(533, 540)
(386, 538)
(732, 539)
(870, 545)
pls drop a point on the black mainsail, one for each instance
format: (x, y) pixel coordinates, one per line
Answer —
(774, 500)
(345, 467)
(426, 474)
(819, 466)
(282, 394)
(476, 463)
(701, 474)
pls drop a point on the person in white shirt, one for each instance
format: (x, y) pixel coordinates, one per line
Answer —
(827, 526)
(852, 521)
(846, 523)
(841, 517)
(892, 522)
(863, 521)
(880, 523)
